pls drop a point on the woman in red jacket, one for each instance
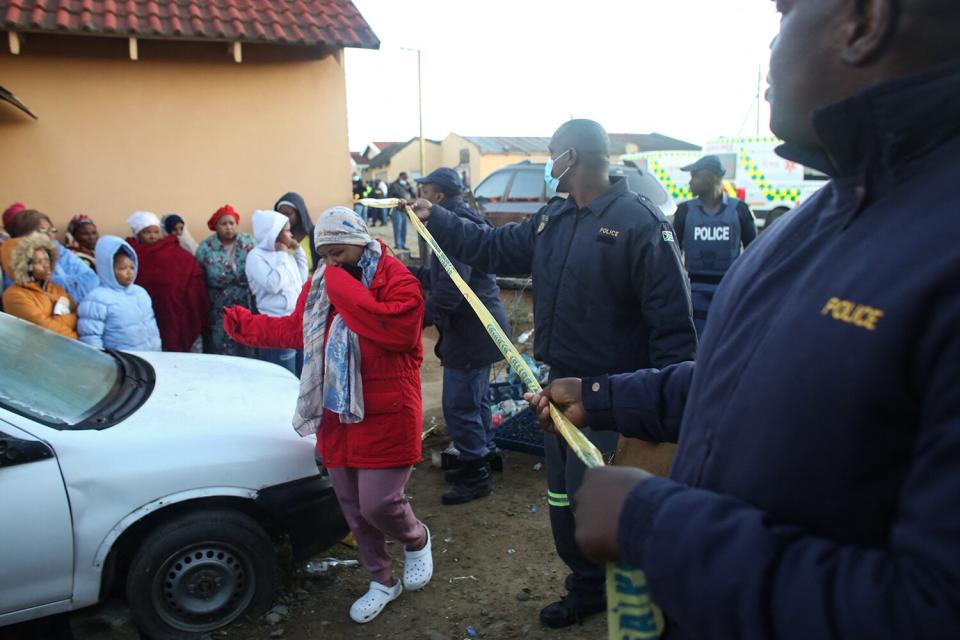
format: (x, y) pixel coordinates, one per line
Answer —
(359, 324)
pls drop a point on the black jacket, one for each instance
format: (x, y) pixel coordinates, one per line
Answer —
(816, 488)
(399, 190)
(464, 343)
(305, 220)
(610, 294)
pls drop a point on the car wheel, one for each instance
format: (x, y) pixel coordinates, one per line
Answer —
(199, 572)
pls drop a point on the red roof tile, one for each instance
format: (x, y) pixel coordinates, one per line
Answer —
(335, 23)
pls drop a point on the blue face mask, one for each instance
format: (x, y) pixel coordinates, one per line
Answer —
(552, 182)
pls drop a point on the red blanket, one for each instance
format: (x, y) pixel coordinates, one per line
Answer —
(174, 281)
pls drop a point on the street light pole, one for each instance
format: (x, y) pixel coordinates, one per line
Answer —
(423, 144)
(424, 248)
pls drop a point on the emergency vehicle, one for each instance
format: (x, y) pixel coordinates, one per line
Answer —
(754, 173)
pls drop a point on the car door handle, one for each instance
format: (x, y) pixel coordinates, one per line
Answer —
(14, 451)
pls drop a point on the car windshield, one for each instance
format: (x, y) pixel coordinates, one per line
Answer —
(50, 378)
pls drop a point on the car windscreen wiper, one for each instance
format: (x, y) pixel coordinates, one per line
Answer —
(134, 386)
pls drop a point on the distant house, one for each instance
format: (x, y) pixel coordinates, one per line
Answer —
(175, 105)
(372, 149)
(479, 156)
(476, 157)
(403, 156)
(358, 162)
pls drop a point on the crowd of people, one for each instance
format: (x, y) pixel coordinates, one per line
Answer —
(158, 289)
(815, 487)
(401, 188)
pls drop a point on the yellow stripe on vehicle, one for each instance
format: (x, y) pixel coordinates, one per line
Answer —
(679, 192)
(767, 190)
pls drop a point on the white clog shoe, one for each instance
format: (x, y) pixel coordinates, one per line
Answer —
(418, 566)
(370, 604)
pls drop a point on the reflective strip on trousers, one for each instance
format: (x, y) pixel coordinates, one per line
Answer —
(555, 499)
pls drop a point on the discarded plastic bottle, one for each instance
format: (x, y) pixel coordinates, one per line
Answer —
(317, 567)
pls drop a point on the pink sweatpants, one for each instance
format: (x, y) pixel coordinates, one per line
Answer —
(374, 505)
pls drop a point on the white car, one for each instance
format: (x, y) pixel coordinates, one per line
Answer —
(166, 474)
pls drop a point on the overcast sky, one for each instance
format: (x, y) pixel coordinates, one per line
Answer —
(684, 68)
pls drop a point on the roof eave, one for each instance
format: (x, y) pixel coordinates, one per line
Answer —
(125, 34)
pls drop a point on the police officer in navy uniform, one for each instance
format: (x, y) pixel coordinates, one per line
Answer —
(815, 491)
(712, 229)
(465, 349)
(609, 294)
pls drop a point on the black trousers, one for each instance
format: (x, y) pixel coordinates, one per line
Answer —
(564, 477)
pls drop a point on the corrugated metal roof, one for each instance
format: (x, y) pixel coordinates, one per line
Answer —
(509, 145)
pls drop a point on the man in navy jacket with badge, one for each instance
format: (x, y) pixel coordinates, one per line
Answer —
(609, 293)
(815, 492)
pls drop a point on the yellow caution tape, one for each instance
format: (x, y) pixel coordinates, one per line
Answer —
(578, 442)
(630, 613)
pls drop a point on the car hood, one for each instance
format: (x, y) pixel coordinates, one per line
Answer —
(211, 421)
(208, 396)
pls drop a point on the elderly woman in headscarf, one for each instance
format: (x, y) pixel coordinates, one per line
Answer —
(223, 258)
(9, 214)
(174, 281)
(82, 236)
(175, 225)
(292, 205)
(359, 321)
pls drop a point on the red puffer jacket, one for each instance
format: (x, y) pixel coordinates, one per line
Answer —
(387, 318)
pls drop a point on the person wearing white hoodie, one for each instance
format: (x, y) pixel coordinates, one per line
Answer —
(275, 275)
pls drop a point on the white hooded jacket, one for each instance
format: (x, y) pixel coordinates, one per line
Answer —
(275, 277)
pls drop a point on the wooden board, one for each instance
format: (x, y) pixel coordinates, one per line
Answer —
(653, 457)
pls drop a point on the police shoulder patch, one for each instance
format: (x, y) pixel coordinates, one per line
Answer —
(543, 223)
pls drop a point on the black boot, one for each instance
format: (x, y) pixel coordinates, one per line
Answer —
(494, 459)
(454, 476)
(475, 482)
(570, 610)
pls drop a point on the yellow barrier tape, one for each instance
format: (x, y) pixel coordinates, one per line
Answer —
(630, 613)
(578, 442)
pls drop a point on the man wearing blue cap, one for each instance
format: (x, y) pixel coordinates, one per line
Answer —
(465, 349)
(712, 230)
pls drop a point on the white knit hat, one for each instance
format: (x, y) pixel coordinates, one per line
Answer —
(140, 220)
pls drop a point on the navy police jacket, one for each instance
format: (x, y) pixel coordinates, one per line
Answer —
(610, 294)
(815, 492)
(464, 343)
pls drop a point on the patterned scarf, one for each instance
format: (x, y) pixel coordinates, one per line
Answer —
(331, 376)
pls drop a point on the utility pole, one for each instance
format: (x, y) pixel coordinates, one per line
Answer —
(422, 245)
(759, 94)
(423, 144)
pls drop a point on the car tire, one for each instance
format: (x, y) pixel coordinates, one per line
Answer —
(199, 572)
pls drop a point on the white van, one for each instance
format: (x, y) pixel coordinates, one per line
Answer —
(754, 172)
